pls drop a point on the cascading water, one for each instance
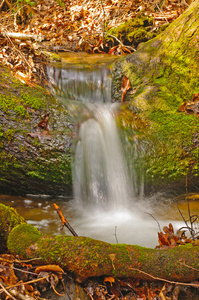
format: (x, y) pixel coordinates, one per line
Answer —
(101, 178)
(103, 190)
(100, 174)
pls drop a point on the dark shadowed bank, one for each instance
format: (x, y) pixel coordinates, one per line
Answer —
(35, 143)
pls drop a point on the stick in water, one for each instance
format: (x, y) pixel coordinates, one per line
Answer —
(64, 222)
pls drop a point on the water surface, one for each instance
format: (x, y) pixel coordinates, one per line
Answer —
(133, 226)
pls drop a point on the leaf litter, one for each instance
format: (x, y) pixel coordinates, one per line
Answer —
(29, 28)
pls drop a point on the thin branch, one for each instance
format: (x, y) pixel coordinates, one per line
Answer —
(28, 282)
(26, 261)
(6, 292)
(115, 234)
(188, 266)
(162, 13)
(125, 46)
(188, 227)
(22, 56)
(155, 220)
(63, 220)
(165, 280)
(13, 268)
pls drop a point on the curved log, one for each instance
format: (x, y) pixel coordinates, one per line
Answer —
(85, 257)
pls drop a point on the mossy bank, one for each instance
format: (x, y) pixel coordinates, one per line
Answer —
(33, 160)
(163, 74)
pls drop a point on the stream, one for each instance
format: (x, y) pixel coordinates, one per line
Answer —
(136, 226)
(107, 204)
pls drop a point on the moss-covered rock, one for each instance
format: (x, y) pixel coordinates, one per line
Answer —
(33, 160)
(133, 32)
(9, 219)
(163, 74)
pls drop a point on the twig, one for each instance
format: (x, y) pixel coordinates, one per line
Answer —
(25, 261)
(7, 2)
(165, 280)
(155, 220)
(64, 222)
(188, 266)
(13, 268)
(103, 21)
(20, 296)
(189, 212)
(125, 46)
(162, 13)
(115, 234)
(4, 290)
(22, 56)
(187, 226)
(24, 283)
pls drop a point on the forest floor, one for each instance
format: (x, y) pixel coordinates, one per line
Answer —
(29, 27)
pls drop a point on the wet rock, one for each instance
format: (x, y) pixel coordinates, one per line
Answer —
(33, 160)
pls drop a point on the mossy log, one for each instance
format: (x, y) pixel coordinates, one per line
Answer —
(84, 257)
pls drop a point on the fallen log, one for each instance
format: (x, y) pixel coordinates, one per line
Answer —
(84, 257)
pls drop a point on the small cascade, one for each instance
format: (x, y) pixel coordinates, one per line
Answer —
(87, 85)
(101, 176)
(100, 172)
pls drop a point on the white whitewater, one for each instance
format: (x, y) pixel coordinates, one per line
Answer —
(101, 177)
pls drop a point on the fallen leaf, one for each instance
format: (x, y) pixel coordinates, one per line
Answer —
(109, 279)
(49, 268)
(125, 87)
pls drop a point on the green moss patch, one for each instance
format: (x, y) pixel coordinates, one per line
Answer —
(163, 74)
(21, 237)
(133, 32)
(32, 160)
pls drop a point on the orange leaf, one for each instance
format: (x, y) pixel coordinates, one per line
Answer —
(125, 87)
(109, 279)
(49, 268)
(112, 50)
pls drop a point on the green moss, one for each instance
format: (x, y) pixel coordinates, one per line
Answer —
(56, 169)
(134, 31)
(21, 237)
(52, 56)
(45, 160)
(164, 74)
(9, 219)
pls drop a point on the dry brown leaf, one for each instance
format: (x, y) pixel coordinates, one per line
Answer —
(49, 268)
(109, 279)
(125, 87)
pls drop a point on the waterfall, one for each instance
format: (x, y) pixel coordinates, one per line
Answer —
(100, 173)
(103, 205)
